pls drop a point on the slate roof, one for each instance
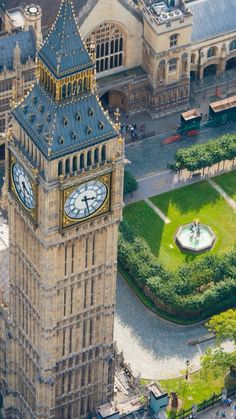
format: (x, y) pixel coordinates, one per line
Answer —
(64, 127)
(63, 51)
(27, 44)
(212, 18)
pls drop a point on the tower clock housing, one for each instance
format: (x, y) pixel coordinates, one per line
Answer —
(65, 177)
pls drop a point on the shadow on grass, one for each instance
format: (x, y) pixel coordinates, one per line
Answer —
(188, 198)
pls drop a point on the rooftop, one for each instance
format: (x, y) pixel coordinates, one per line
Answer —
(162, 12)
(59, 128)
(224, 104)
(191, 114)
(26, 42)
(17, 17)
(63, 51)
(212, 18)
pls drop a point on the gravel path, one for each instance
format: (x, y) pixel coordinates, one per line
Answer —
(155, 348)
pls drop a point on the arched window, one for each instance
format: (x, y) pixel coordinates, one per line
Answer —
(211, 52)
(173, 40)
(67, 167)
(109, 42)
(173, 65)
(79, 86)
(85, 84)
(184, 62)
(69, 90)
(89, 158)
(193, 58)
(232, 45)
(103, 156)
(60, 168)
(96, 155)
(74, 164)
(75, 88)
(63, 91)
(81, 161)
(161, 74)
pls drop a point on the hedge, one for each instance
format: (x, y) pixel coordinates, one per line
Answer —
(195, 290)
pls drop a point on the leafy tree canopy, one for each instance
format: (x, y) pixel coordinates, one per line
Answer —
(224, 325)
(130, 183)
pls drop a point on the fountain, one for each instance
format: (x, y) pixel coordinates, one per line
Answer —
(195, 237)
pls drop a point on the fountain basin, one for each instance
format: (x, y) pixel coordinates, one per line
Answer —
(189, 241)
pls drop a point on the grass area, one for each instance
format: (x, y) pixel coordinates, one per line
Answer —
(228, 183)
(199, 387)
(182, 206)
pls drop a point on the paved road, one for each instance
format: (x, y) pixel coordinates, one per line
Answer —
(153, 347)
(166, 180)
(149, 156)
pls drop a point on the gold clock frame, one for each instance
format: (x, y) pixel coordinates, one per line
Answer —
(32, 213)
(67, 222)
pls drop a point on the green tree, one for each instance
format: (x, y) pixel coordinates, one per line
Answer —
(130, 183)
(224, 325)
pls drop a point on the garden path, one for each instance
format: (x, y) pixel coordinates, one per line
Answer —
(222, 193)
(157, 211)
(154, 347)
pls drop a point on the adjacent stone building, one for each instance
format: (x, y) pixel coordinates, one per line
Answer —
(147, 51)
(20, 32)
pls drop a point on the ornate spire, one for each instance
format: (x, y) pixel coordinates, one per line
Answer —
(63, 52)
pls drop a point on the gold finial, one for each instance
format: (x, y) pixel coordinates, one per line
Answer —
(117, 116)
(36, 172)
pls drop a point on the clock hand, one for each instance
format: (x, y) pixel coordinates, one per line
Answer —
(24, 187)
(89, 199)
(85, 199)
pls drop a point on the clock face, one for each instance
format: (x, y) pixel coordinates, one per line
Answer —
(23, 186)
(86, 200)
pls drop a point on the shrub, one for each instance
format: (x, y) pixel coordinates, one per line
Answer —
(198, 289)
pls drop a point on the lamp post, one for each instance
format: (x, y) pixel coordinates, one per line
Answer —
(187, 369)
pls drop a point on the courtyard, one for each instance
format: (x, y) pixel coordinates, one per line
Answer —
(182, 206)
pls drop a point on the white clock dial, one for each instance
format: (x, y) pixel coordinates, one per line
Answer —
(23, 186)
(86, 200)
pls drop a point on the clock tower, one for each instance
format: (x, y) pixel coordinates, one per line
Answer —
(65, 180)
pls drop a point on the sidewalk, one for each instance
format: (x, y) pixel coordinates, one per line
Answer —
(230, 412)
(201, 94)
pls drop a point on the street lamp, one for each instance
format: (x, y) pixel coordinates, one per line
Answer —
(187, 369)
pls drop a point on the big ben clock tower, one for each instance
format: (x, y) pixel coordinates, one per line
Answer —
(65, 175)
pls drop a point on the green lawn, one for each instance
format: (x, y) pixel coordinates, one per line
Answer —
(228, 183)
(200, 386)
(181, 206)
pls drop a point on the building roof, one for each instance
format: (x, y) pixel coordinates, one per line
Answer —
(212, 18)
(27, 44)
(60, 128)
(224, 104)
(63, 51)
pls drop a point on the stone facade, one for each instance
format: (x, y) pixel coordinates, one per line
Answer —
(146, 54)
(17, 73)
(161, 51)
(62, 269)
